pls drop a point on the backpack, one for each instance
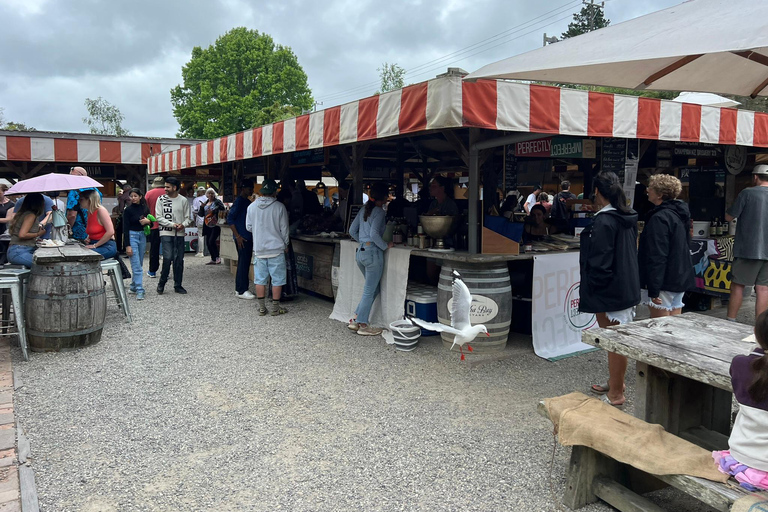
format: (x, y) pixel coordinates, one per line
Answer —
(559, 208)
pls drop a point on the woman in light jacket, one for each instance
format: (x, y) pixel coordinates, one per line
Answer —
(610, 281)
(367, 229)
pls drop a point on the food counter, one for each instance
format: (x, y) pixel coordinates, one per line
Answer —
(317, 263)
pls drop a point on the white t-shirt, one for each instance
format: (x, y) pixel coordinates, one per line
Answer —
(530, 201)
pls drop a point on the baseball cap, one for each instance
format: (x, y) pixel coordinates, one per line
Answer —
(269, 186)
(201, 189)
(760, 169)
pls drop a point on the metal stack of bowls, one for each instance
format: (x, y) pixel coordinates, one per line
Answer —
(438, 226)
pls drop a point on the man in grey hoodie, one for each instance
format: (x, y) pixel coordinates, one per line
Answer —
(267, 220)
(173, 215)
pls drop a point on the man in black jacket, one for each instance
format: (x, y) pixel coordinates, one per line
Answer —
(560, 212)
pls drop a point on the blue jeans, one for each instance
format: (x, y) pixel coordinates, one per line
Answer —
(21, 255)
(370, 260)
(138, 243)
(108, 250)
(173, 254)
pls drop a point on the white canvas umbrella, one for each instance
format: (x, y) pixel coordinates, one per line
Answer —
(701, 45)
(706, 98)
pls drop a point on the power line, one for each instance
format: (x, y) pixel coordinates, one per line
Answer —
(479, 44)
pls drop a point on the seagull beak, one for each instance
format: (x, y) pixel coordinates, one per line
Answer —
(488, 334)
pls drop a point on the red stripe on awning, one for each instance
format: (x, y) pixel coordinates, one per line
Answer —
(239, 138)
(257, 143)
(209, 154)
(413, 108)
(278, 137)
(545, 109)
(761, 130)
(109, 152)
(478, 104)
(331, 126)
(367, 112)
(728, 120)
(19, 148)
(223, 148)
(648, 118)
(65, 150)
(690, 128)
(302, 132)
(600, 114)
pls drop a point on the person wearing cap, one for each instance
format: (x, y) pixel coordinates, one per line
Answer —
(267, 220)
(76, 216)
(151, 197)
(750, 250)
(199, 221)
(532, 199)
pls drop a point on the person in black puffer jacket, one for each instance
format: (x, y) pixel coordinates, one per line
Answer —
(666, 271)
(610, 280)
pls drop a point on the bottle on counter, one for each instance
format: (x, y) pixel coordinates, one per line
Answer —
(397, 237)
(419, 229)
(713, 228)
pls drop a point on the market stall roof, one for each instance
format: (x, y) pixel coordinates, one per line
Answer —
(83, 147)
(716, 46)
(445, 103)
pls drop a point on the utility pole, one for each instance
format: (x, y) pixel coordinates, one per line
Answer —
(549, 40)
(592, 12)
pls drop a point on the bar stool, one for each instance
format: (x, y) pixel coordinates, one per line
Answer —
(112, 267)
(12, 285)
(23, 274)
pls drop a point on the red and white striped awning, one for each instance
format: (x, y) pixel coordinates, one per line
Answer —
(80, 148)
(452, 103)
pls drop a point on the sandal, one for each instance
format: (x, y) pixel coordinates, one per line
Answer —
(600, 389)
(607, 400)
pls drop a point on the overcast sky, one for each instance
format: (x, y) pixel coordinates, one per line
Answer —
(56, 53)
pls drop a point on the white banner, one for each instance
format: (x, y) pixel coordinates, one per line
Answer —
(556, 321)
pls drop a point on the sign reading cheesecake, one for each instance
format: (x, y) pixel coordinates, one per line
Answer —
(557, 147)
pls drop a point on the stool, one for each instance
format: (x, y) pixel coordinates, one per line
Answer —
(112, 267)
(19, 271)
(12, 285)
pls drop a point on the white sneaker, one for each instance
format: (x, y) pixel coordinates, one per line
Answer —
(247, 295)
(199, 255)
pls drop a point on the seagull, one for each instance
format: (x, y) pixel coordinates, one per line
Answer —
(461, 327)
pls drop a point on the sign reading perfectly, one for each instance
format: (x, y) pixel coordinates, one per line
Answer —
(557, 147)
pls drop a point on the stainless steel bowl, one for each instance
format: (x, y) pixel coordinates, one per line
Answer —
(438, 226)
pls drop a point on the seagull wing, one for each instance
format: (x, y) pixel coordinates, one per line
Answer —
(462, 300)
(433, 326)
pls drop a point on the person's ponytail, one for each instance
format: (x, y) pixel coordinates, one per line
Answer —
(379, 192)
(758, 390)
(607, 183)
(369, 208)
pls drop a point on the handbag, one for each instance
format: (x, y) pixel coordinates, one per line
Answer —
(212, 219)
(59, 219)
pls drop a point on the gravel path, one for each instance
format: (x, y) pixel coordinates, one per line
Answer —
(200, 404)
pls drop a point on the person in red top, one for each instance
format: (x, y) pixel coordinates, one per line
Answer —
(99, 227)
(158, 189)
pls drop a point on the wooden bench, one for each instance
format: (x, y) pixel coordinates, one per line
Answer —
(592, 475)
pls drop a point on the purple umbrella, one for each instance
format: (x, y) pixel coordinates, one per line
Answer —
(53, 182)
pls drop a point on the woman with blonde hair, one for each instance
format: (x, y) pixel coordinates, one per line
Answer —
(99, 226)
(210, 210)
(664, 258)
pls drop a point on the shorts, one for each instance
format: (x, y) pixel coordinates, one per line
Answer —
(622, 317)
(670, 301)
(264, 268)
(749, 272)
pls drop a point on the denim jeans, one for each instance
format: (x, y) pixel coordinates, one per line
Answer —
(138, 243)
(173, 253)
(244, 257)
(108, 250)
(21, 255)
(370, 260)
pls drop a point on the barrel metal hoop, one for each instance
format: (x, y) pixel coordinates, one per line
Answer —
(32, 332)
(60, 273)
(482, 291)
(502, 325)
(68, 296)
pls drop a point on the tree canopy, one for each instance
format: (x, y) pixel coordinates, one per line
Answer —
(590, 18)
(392, 77)
(12, 126)
(104, 118)
(243, 80)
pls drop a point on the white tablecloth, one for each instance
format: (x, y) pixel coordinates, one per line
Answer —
(389, 304)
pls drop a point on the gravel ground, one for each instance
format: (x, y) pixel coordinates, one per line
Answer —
(200, 404)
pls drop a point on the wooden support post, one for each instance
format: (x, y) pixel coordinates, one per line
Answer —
(357, 175)
(622, 498)
(474, 190)
(399, 169)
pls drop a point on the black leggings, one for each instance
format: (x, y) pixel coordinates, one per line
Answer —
(211, 237)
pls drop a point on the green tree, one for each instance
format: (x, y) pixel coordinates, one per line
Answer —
(104, 118)
(588, 19)
(17, 127)
(243, 80)
(392, 77)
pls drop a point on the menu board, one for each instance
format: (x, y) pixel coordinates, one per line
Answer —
(510, 168)
(228, 183)
(613, 156)
(353, 211)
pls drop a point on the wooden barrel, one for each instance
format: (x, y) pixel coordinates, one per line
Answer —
(492, 302)
(65, 305)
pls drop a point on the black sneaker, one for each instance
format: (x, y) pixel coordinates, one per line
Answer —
(179, 289)
(160, 290)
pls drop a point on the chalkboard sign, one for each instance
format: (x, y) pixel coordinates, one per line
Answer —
(304, 265)
(614, 154)
(318, 156)
(228, 184)
(353, 211)
(510, 168)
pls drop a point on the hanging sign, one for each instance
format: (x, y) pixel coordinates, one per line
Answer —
(557, 147)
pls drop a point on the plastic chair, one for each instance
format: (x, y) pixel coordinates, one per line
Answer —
(112, 267)
(12, 285)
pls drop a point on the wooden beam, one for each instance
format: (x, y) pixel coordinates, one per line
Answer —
(458, 145)
(622, 498)
(759, 88)
(671, 68)
(753, 56)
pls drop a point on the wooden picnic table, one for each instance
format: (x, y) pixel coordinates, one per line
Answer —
(683, 379)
